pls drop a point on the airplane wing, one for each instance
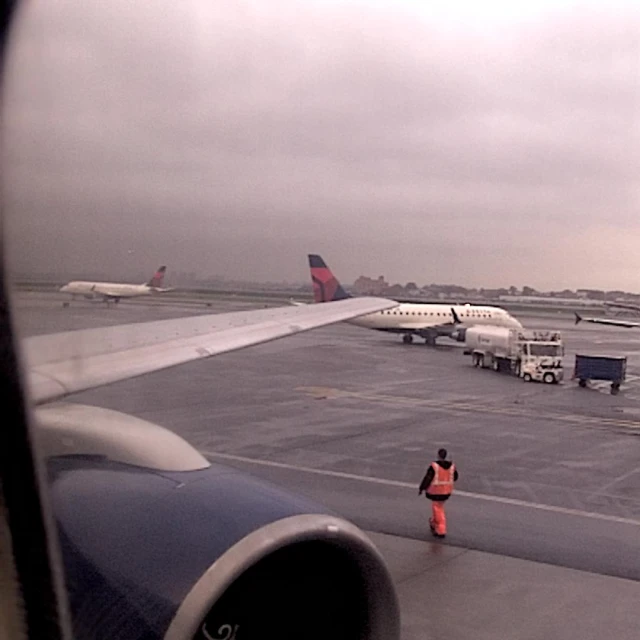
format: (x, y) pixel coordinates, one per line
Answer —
(610, 321)
(64, 363)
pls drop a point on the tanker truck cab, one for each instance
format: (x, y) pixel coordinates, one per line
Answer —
(540, 357)
(527, 354)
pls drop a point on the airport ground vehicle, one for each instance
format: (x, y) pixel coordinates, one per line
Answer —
(608, 368)
(528, 354)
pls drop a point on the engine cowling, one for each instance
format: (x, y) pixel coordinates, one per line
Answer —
(206, 553)
(459, 335)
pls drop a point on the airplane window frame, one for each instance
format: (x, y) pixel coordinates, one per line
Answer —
(32, 598)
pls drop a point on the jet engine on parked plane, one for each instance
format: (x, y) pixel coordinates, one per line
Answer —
(157, 542)
(459, 335)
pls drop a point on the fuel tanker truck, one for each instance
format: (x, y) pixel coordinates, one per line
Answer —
(528, 354)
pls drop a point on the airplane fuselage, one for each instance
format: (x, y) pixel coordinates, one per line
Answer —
(417, 318)
(107, 289)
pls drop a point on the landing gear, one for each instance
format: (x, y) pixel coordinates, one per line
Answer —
(407, 338)
(65, 305)
(430, 340)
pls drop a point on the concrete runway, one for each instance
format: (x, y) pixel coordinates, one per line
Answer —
(550, 475)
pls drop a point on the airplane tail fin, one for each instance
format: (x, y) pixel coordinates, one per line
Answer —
(578, 317)
(158, 277)
(326, 287)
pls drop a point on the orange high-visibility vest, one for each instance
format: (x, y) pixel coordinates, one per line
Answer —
(442, 483)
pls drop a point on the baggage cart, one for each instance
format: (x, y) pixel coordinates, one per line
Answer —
(610, 368)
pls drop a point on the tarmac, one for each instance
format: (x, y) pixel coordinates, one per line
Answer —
(545, 523)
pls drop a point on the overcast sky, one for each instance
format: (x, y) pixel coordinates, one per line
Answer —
(483, 144)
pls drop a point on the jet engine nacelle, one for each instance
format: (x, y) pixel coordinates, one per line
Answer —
(459, 335)
(197, 550)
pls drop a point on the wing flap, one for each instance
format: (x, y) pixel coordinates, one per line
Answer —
(65, 363)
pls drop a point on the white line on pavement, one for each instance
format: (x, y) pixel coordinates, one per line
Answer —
(408, 485)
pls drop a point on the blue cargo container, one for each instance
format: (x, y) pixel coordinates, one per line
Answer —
(608, 368)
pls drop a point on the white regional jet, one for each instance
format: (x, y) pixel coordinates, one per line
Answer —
(425, 320)
(113, 291)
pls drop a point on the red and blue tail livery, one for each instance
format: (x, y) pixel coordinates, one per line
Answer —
(326, 287)
(158, 277)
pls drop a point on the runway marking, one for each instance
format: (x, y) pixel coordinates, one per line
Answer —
(630, 383)
(407, 485)
(624, 476)
(331, 393)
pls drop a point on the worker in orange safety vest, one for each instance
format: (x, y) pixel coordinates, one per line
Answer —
(438, 486)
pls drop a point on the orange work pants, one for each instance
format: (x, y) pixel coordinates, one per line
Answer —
(438, 520)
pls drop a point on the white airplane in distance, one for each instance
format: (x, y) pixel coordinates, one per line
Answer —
(627, 324)
(113, 291)
(424, 320)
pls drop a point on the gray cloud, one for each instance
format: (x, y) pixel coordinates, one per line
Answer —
(233, 138)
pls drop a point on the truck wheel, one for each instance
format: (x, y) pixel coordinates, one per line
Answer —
(615, 388)
(548, 378)
(582, 383)
(527, 377)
